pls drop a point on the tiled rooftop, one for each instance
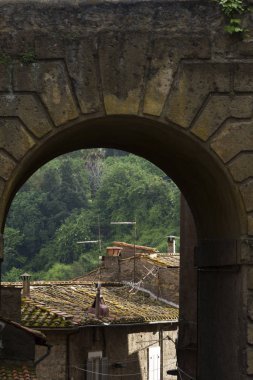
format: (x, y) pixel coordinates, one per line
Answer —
(163, 260)
(66, 304)
(158, 260)
(131, 247)
(17, 371)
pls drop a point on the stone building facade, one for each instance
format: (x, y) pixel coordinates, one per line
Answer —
(156, 272)
(116, 350)
(18, 343)
(135, 338)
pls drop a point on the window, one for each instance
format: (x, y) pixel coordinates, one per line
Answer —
(154, 363)
(97, 366)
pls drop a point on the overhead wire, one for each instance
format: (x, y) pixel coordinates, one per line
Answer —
(110, 374)
(180, 372)
(185, 374)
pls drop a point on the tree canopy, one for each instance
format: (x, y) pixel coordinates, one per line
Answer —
(71, 197)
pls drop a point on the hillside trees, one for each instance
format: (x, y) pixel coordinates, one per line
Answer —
(61, 203)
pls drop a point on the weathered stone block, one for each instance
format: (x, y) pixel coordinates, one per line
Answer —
(83, 66)
(235, 136)
(242, 167)
(250, 307)
(57, 93)
(217, 110)
(7, 165)
(243, 80)
(122, 65)
(29, 109)
(250, 360)
(49, 47)
(246, 253)
(2, 184)
(14, 138)
(250, 224)
(159, 79)
(191, 87)
(16, 44)
(247, 194)
(246, 47)
(165, 57)
(5, 77)
(250, 333)
(27, 77)
(250, 278)
(51, 81)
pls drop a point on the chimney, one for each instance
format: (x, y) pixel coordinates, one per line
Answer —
(26, 284)
(171, 244)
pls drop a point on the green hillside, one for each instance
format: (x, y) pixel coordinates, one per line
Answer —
(69, 198)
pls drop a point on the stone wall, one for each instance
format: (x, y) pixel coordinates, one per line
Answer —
(163, 282)
(11, 303)
(53, 367)
(131, 354)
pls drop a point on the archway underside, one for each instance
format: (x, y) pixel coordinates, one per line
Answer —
(206, 185)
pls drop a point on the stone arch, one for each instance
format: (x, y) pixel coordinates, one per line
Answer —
(214, 199)
(160, 79)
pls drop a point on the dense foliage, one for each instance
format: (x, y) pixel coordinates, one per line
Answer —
(73, 197)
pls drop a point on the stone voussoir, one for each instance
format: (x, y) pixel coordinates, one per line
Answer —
(193, 83)
(165, 56)
(7, 165)
(29, 109)
(122, 65)
(250, 224)
(247, 194)
(50, 80)
(14, 138)
(233, 138)
(5, 75)
(241, 167)
(218, 109)
(83, 65)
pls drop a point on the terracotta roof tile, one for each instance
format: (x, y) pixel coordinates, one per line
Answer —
(53, 305)
(17, 371)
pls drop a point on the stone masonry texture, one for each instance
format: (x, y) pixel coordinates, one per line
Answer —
(161, 79)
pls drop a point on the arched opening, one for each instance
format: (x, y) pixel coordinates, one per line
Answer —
(206, 186)
(214, 203)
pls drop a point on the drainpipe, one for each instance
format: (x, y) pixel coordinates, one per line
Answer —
(161, 351)
(49, 346)
(74, 331)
